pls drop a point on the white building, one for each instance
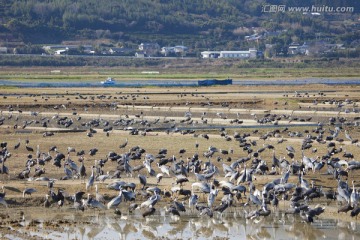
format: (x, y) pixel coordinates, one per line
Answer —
(251, 53)
(177, 50)
(149, 46)
(296, 48)
(180, 49)
(210, 54)
(3, 50)
(61, 51)
(140, 54)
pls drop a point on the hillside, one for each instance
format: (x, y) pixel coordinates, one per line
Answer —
(198, 24)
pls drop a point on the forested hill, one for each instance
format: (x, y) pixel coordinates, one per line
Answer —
(201, 23)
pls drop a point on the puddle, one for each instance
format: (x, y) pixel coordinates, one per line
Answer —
(232, 225)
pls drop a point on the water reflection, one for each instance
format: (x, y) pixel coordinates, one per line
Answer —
(232, 225)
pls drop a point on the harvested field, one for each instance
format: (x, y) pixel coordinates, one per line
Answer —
(187, 119)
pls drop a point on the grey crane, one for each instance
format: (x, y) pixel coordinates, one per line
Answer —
(103, 177)
(355, 212)
(242, 177)
(204, 187)
(17, 145)
(68, 172)
(143, 181)
(116, 200)
(2, 197)
(147, 164)
(72, 165)
(28, 191)
(354, 197)
(206, 211)
(91, 179)
(132, 207)
(343, 193)
(28, 148)
(123, 145)
(93, 203)
(3, 202)
(164, 169)
(47, 203)
(129, 195)
(98, 196)
(254, 199)
(70, 149)
(193, 200)
(345, 208)
(82, 169)
(212, 196)
(128, 169)
(159, 176)
(179, 206)
(180, 179)
(347, 135)
(172, 209)
(151, 201)
(198, 176)
(148, 211)
(222, 207)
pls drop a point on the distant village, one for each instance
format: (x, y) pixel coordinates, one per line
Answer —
(314, 48)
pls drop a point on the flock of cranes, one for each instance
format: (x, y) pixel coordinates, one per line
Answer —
(208, 183)
(235, 182)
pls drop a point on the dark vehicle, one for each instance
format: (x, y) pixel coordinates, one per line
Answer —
(211, 82)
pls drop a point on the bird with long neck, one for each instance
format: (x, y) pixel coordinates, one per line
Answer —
(17, 145)
(354, 197)
(98, 196)
(91, 180)
(37, 151)
(2, 195)
(82, 169)
(47, 203)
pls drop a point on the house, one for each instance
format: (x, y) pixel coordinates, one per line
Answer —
(251, 53)
(59, 47)
(61, 51)
(304, 49)
(234, 54)
(88, 49)
(313, 48)
(167, 50)
(149, 46)
(210, 54)
(321, 47)
(3, 50)
(180, 49)
(293, 48)
(122, 50)
(140, 54)
(150, 49)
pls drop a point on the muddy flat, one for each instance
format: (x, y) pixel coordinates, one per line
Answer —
(253, 123)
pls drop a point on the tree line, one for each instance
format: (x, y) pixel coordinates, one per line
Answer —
(199, 24)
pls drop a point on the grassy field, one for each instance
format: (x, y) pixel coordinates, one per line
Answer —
(195, 72)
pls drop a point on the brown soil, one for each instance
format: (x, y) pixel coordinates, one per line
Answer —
(68, 101)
